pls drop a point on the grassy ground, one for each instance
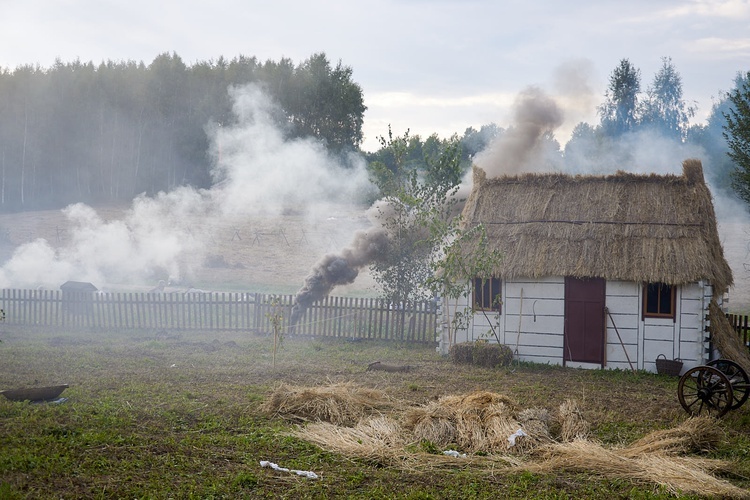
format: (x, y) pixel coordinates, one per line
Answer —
(156, 416)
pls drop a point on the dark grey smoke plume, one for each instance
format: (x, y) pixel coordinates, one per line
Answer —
(340, 269)
(535, 113)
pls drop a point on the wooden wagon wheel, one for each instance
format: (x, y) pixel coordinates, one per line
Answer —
(705, 390)
(737, 377)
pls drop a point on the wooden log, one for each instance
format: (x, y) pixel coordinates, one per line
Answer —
(377, 365)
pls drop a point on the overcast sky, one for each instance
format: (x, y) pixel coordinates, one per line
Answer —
(427, 65)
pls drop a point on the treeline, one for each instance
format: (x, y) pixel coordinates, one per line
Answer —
(80, 132)
(639, 125)
(97, 134)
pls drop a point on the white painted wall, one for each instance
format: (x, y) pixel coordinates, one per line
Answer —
(532, 323)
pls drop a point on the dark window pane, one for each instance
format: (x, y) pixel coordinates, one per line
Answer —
(487, 293)
(658, 299)
(652, 298)
(665, 299)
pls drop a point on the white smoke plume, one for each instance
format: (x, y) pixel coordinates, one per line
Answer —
(257, 170)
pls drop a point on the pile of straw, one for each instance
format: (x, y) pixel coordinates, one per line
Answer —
(479, 422)
(340, 404)
(572, 423)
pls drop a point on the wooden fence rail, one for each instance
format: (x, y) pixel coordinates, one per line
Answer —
(332, 317)
(741, 326)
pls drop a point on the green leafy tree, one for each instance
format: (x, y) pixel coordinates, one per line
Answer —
(324, 102)
(466, 256)
(619, 112)
(710, 137)
(737, 134)
(418, 212)
(664, 109)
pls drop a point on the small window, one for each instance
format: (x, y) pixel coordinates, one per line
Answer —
(487, 294)
(658, 300)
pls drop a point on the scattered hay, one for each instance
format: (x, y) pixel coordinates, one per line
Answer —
(481, 422)
(677, 474)
(341, 404)
(573, 425)
(379, 439)
(693, 435)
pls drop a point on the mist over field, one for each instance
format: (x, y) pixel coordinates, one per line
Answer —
(279, 207)
(257, 172)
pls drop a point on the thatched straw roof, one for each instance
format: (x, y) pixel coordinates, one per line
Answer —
(633, 227)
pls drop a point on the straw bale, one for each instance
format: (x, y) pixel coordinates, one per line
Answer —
(462, 353)
(573, 425)
(343, 403)
(695, 434)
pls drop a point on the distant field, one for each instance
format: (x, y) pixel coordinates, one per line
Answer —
(275, 253)
(262, 253)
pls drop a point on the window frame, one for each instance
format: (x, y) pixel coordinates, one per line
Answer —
(672, 301)
(490, 285)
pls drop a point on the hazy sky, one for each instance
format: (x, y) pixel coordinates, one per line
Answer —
(427, 65)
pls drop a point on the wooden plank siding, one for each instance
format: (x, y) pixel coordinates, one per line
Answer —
(336, 317)
(532, 324)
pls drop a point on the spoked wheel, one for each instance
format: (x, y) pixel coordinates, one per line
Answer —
(737, 378)
(705, 390)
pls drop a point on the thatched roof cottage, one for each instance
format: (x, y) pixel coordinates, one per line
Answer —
(597, 271)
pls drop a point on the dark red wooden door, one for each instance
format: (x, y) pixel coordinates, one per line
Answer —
(584, 320)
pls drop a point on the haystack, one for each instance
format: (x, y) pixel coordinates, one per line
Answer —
(341, 404)
(433, 422)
